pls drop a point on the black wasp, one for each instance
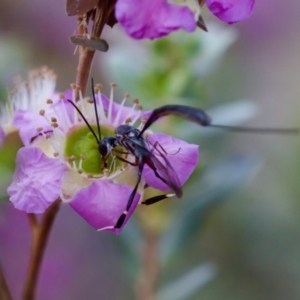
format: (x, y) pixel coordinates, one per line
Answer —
(134, 142)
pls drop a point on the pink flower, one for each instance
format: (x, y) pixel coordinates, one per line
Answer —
(153, 19)
(21, 112)
(63, 161)
(231, 11)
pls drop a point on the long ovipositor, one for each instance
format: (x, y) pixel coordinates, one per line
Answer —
(200, 117)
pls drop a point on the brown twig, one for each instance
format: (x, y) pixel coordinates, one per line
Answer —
(4, 290)
(39, 242)
(83, 69)
(86, 55)
(33, 225)
(146, 284)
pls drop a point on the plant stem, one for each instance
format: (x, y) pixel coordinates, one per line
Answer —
(83, 69)
(86, 55)
(146, 284)
(4, 290)
(39, 241)
(33, 225)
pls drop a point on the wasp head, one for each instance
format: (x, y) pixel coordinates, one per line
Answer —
(106, 145)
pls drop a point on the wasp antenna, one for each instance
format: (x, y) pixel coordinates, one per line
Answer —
(282, 131)
(193, 114)
(96, 111)
(85, 120)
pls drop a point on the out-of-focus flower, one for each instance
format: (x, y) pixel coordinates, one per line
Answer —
(26, 99)
(62, 160)
(157, 18)
(231, 11)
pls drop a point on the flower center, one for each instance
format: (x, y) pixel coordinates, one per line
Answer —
(82, 149)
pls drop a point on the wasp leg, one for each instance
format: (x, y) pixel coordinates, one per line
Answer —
(163, 149)
(156, 199)
(113, 163)
(121, 219)
(121, 152)
(129, 162)
(124, 159)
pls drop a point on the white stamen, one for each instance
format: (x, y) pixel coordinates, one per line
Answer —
(81, 104)
(136, 117)
(112, 165)
(115, 174)
(58, 133)
(42, 113)
(101, 113)
(82, 157)
(48, 138)
(32, 94)
(116, 122)
(65, 115)
(111, 99)
(75, 115)
(74, 165)
(131, 111)
(140, 127)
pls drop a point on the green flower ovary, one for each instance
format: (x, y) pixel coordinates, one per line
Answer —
(80, 141)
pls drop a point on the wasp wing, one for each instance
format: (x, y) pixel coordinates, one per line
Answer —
(157, 161)
(164, 170)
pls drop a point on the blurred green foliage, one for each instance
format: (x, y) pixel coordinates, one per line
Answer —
(8, 153)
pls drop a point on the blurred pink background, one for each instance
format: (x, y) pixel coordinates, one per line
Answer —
(253, 237)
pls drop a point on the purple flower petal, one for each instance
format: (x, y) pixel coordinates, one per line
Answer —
(182, 156)
(2, 136)
(231, 11)
(27, 122)
(153, 18)
(36, 182)
(103, 202)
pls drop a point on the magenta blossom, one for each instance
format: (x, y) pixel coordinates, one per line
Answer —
(64, 162)
(153, 19)
(231, 11)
